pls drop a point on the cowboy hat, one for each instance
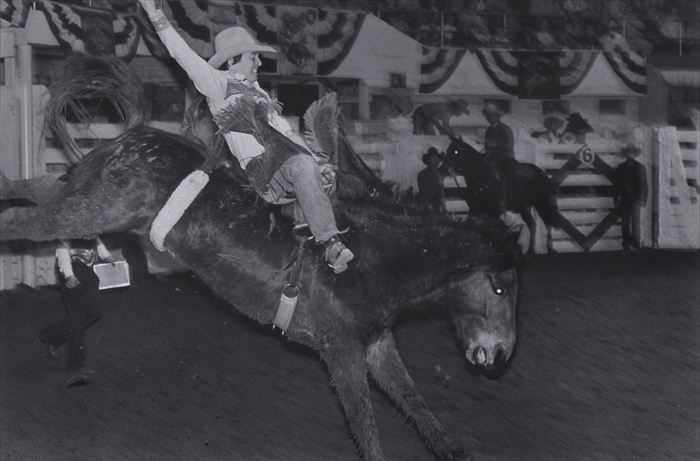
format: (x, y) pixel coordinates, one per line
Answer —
(233, 41)
(492, 109)
(577, 124)
(432, 151)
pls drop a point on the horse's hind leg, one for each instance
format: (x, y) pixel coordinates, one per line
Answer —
(348, 372)
(391, 375)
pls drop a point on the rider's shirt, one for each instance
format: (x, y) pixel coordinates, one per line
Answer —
(498, 141)
(216, 86)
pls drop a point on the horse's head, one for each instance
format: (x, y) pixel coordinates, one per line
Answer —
(467, 267)
(460, 151)
(482, 302)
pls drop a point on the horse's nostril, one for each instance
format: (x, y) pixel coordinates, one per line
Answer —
(479, 356)
(500, 354)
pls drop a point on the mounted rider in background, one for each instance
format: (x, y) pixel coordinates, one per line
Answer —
(498, 146)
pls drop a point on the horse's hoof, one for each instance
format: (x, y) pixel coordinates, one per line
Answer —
(54, 353)
(81, 377)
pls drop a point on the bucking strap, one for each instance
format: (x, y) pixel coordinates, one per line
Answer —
(179, 201)
(290, 293)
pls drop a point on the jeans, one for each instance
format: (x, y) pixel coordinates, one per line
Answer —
(81, 312)
(300, 176)
(629, 212)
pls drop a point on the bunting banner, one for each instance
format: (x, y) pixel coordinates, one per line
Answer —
(574, 65)
(437, 66)
(315, 42)
(627, 64)
(118, 32)
(65, 23)
(189, 17)
(311, 41)
(336, 33)
(502, 67)
(14, 11)
(296, 35)
(126, 36)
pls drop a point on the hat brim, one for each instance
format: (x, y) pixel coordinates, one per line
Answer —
(224, 55)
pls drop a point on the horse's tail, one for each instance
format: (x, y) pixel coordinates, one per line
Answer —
(91, 77)
(546, 202)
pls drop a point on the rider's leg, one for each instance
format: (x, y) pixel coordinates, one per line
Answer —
(302, 175)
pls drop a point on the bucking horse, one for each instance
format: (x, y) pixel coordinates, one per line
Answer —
(405, 259)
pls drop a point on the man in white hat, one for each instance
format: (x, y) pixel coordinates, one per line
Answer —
(279, 165)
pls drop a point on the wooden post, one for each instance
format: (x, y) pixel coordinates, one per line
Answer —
(26, 160)
(363, 101)
(644, 139)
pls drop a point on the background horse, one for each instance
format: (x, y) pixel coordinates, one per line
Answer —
(403, 260)
(527, 186)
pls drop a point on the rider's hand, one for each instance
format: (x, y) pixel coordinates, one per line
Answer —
(149, 6)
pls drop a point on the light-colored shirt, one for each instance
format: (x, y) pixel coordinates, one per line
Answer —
(213, 83)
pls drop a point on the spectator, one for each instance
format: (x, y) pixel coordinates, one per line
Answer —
(631, 192)
(434, 118)
(430, 186)
(79, 294)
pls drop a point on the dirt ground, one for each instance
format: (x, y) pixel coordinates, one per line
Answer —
(607, 368)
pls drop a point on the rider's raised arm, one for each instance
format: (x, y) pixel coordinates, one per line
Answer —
(208, 81)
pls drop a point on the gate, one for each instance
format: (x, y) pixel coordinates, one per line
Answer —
(676, 221)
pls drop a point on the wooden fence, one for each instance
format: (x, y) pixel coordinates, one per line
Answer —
(671, 218)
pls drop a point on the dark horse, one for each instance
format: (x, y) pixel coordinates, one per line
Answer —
(527, 186)
(404, 259)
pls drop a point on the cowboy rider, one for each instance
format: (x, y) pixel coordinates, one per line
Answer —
(275, 172)
(498, 145)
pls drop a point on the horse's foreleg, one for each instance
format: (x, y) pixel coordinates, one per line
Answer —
(349, 377)
(391, 375)
(526, 214)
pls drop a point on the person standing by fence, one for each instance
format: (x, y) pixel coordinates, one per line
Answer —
(80, 297)
(430, 187)
(631, 192)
